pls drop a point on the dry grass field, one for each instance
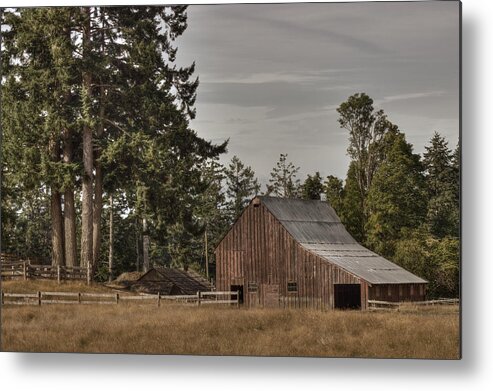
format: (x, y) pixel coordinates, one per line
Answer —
(178, 329)
(32, 286)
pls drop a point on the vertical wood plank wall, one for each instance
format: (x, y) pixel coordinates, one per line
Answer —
(259, 250)
(398, 292)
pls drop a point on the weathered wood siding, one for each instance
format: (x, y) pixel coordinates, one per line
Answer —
(259, 252)
(398, 292)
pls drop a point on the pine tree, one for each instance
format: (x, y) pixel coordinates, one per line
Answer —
(312, 187)
(39, 73)
(283, 182)
(241, 187)
(99, 87)
(442, 182)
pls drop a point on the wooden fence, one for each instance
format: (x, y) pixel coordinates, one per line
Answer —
(24, 270)
(39, 298)
(389, 305)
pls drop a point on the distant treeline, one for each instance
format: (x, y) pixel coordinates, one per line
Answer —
(101, 167)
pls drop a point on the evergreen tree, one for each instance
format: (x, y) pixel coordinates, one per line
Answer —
(456, 188)
(397, 197)
(283, 182)
(213, 213)
(312, 187)
(334, 192)
(442, 181)
(94, 94)
(241, 187)
(37, 93)
(352, 213)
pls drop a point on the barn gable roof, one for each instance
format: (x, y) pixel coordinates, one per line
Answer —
(318, 229)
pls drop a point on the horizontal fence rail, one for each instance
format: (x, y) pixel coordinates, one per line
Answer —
(39, 298)
(379, 305)
(25, 270)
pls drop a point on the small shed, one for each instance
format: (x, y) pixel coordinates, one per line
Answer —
(297, 253)
(170, 281)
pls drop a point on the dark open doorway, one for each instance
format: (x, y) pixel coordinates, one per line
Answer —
(347, 296)
(238, 288)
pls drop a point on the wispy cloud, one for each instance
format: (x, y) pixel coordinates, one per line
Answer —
(415, 95)
(272, 76)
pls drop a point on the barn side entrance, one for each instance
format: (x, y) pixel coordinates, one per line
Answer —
(239, 289)
(347, 296)
(270, 294)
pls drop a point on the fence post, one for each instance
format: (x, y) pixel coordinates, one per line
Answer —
(117, 298)
(39, 298)
(58, 274)
(24, 267)
(238, 298)
(198, 298)
(79, 298)
(159, 299)
(2, 298)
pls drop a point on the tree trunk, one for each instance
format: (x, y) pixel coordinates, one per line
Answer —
(98, 202)
(69, 207)
(56, 212)
(87, 152)
(110, 244)
(137, 245)
(56, 228)
(206, 254)
(145, 243)
(98, 179)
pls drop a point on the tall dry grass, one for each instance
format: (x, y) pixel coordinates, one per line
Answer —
(31, 286)
(177, 329)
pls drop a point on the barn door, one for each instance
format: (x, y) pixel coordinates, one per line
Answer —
(347, 296)
(270, 295)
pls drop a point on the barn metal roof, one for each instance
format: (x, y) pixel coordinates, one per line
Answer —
(316, 226)
(363, 263)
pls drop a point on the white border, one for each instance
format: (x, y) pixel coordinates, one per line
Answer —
(473, 372)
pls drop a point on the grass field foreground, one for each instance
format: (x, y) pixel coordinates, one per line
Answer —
(178, 329)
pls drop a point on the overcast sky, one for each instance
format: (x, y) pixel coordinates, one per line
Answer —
(272, 76)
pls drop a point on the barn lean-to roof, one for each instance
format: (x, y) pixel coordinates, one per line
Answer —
(317, 228)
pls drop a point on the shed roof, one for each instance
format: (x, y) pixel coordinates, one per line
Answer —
(187, 282)
(316, 226)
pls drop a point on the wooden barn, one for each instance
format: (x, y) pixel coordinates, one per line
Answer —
(168, 281)
(297, 253)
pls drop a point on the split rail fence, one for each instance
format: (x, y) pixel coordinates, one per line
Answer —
(24, 270)
(389, 305)
(40, 298)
